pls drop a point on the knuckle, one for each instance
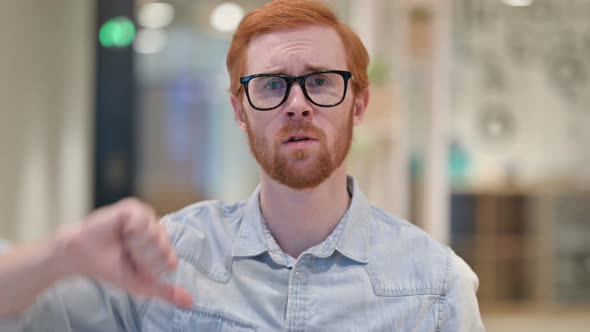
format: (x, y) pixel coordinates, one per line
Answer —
(137, 226)
(131, 201)
(138, 205)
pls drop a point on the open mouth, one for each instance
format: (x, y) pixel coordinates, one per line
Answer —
(299, 139)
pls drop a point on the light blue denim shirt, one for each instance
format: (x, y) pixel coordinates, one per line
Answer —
(375, 272)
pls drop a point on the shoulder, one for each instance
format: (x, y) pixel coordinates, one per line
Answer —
(204, 217)
(208, 208)
(404, 259)
(204, 233)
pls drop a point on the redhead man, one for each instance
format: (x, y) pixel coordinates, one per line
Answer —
(305, 252)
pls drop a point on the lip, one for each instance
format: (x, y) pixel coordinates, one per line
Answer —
(300, 144)
(289, 140)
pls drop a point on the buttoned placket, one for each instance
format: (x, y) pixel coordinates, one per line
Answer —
(298, 300)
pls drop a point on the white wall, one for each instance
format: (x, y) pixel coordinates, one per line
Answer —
(46, 108)
(533, 61)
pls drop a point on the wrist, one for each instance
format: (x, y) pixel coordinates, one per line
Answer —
(62, 253)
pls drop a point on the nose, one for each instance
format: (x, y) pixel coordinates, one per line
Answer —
(297, 105)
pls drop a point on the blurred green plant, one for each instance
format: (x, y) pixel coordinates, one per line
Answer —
(378, 71)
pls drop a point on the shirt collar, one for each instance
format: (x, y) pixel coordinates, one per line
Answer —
(353, 242)
(250, 241)
(350, 237)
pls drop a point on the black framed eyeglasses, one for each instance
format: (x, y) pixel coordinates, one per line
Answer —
(326, 88)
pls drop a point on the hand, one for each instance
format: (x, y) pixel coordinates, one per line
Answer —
(125, 245)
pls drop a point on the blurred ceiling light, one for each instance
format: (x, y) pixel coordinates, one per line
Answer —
(150, 41)
(226, 17)
(155, 15)
(518, 3)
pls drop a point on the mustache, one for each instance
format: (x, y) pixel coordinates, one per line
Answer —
(305, 128)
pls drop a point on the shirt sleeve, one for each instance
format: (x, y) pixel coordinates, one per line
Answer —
(460, 306)
(78, 304)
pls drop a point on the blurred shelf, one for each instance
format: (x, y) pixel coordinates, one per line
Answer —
(529, 249)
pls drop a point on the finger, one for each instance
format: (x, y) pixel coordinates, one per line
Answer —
(171, 259)
(140, 218)
(136, 281)
(149, 286)
(161, 258)
(154, 260)
(165, 260)
(145, 241)
(109, 218)
(151, 261)
(157, 263)
(150, 250)
(174, 294)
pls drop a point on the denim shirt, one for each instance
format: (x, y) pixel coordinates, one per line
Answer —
(375, 272)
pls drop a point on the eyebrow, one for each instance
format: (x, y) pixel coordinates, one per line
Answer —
(307, 69)
(310, 68)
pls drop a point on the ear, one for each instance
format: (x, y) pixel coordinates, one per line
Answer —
(361, 101)
(238, 112)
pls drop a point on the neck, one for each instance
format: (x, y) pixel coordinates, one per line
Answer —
(301, 219)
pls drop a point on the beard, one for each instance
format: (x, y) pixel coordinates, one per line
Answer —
(300, 169)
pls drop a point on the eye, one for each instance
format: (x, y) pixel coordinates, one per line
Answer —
(318, 81)
(273, 85)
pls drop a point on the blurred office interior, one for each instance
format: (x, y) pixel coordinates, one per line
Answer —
(478, 129)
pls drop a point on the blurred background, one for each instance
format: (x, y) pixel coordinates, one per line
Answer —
(478, 128)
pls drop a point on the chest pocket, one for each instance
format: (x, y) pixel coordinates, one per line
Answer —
(202, 319)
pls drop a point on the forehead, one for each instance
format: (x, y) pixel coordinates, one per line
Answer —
(295, 51)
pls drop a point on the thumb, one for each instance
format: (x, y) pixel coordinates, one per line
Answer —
(147, 285)
(173, 294)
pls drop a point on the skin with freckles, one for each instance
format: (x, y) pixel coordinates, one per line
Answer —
(300, 165)
(303, 184)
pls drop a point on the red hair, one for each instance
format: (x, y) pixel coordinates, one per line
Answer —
(286, 14)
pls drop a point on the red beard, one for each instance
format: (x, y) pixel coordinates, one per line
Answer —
(301, 168)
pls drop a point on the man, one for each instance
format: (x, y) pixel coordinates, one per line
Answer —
(305, 252)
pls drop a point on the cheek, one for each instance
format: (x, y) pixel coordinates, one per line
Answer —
(338, 123)
(331, 131)
(261, 127)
